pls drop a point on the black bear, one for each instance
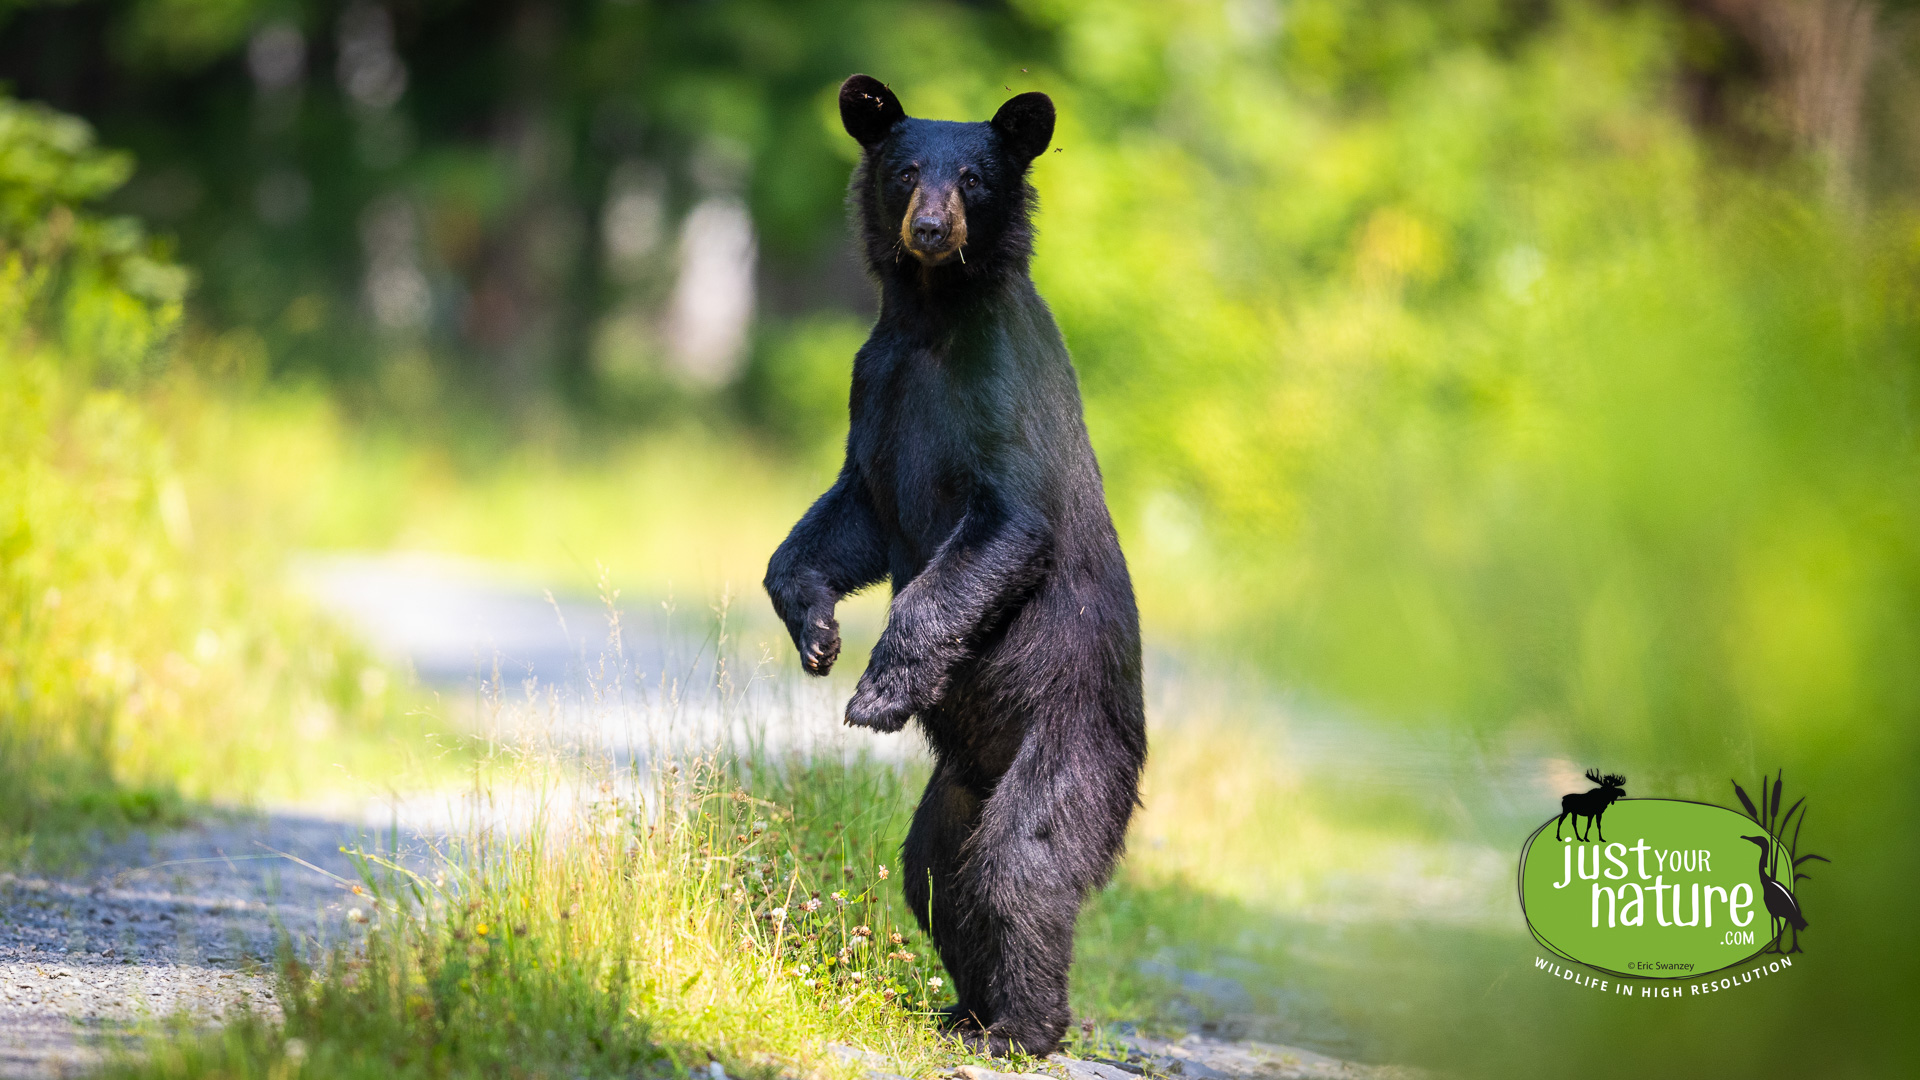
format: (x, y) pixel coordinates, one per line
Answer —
(970, 484)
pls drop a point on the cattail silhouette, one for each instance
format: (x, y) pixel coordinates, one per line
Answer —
(1781, 903)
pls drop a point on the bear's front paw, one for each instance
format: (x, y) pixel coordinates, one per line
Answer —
(882, 701)
(819, 644)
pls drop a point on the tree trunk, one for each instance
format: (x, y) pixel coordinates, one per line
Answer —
(1817, 54)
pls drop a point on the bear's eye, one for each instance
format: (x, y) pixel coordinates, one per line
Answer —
(906, 174)
(972, 180)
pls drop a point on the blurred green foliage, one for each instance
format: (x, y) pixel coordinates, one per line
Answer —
(523, 165)
(149, 649)
(1479, 388)
(512, 174)
(1489, 393)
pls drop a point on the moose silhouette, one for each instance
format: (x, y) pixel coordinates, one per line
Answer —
(1591, 804)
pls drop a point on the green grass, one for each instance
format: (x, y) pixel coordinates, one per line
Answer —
(717, 907)
(740, 904)
(639, 947)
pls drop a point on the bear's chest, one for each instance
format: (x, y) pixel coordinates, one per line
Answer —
(919, 441)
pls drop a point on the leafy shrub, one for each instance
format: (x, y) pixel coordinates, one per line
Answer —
(148, 650)
(98, 287)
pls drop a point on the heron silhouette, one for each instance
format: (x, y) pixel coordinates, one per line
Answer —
(1780, 902)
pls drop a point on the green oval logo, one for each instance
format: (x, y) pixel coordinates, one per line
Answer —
(1677, 889)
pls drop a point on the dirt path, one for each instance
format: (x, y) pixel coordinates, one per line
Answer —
(163, 923)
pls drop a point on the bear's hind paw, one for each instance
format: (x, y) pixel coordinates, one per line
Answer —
(986, 1043)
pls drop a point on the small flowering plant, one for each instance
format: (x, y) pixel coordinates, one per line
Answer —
(820, 909)
(675, 893)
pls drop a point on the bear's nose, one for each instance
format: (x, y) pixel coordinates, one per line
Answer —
(929, 230)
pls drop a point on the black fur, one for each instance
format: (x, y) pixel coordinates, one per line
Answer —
(969, 483)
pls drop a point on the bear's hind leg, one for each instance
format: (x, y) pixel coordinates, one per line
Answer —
(1048, 835)
(1026, 955)
(931, 861)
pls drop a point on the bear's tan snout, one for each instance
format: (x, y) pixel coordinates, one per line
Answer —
(934, 228)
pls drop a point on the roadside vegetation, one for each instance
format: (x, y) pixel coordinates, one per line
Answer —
(152, 654)
(721, 890)
(667, 922)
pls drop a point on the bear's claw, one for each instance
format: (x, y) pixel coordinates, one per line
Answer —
(819, 645)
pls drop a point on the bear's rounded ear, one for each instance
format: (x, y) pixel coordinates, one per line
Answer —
(1026, 124)
(868, 109)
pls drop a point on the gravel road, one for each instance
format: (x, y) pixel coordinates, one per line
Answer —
(161, 924)
(189, 923)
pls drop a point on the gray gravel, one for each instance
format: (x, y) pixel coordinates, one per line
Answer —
(1195, 1057)
(161, 925)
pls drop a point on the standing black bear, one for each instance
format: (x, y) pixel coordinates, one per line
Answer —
(1013, 636)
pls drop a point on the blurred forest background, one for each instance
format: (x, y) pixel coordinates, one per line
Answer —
(1506, 365)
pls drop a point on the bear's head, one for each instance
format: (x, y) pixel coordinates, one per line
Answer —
(938, 199)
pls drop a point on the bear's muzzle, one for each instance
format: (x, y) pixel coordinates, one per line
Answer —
(934, 228)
